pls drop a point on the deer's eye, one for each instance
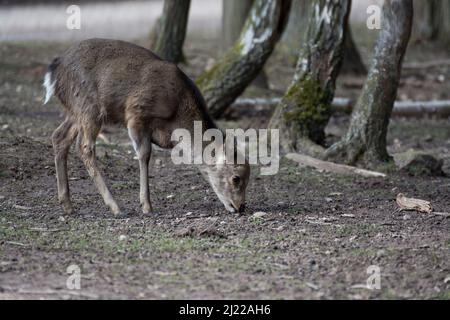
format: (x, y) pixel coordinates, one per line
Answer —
(236, 180)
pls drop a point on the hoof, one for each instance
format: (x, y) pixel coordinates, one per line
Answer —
(68, 209)
(146, 208)
(121, 214)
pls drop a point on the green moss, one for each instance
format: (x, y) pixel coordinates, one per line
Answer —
(388, 167)
(308, 105)
(214, 73)
(444, 295)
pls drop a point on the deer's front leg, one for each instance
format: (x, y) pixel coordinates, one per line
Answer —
(142, 144)
(144, 193)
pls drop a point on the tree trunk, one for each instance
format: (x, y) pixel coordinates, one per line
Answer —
(426, 26)
(170, 30)
(296, 28)
(304, 110)
(352, 63)
(244, 61)
(235, 13)
(366, 137)
(431, 20)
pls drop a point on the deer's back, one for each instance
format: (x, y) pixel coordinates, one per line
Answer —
(120, 80)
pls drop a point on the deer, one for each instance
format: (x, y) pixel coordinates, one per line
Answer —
(103, 82)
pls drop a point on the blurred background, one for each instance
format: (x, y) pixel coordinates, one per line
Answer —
(320, 230)
(127, 20)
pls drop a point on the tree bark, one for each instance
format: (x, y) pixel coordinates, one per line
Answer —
(304, 110)
(170, 30)
(426, 26)
(235, 13)
(297, 26)
(366, 137)
(244, 61)
(352, 63)
(431, 20)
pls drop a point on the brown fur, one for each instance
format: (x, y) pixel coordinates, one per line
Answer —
(100, 82)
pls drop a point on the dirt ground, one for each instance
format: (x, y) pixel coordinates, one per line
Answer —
(319, 236)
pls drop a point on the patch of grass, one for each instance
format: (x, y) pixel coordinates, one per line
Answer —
(443, 295)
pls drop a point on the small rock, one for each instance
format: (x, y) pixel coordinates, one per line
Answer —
(328, 199)
(447, 280)
(158, 162)
(348, 215)
(381, 253)
(188, 214)
(406, 217)
(61, 219)
(428, 138)
(170, 196)
(312, 285)
(335, 194)
(418, 163)
(122, 237)
(259, 214)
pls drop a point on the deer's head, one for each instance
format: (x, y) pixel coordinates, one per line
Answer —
(229, 182)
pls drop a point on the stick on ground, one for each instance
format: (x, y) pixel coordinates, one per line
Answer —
(413, 204)
(331, 166)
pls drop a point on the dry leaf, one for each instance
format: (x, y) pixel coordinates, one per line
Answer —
(413, 204)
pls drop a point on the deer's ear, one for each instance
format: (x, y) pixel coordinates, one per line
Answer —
(229, 148)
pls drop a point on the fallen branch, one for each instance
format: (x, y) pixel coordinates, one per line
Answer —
(15, 243)
(331, 166)
(436, 108)
(413, 204)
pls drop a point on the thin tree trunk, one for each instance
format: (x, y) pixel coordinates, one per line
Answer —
(366, 137)
(296, 28)
(170, 30)
(235, 13)
(304, 110)
(426, 26)
(353, 63)
(244, 61)
(431, 20)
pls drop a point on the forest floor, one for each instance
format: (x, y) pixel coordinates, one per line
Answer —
(320, 235)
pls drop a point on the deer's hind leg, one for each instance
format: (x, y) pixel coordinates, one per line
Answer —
(142, 144)
(62, 139)
(86, 144)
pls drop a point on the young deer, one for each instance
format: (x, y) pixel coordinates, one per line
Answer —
(100, 82)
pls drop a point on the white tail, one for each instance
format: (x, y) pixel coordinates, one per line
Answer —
(49, 86)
